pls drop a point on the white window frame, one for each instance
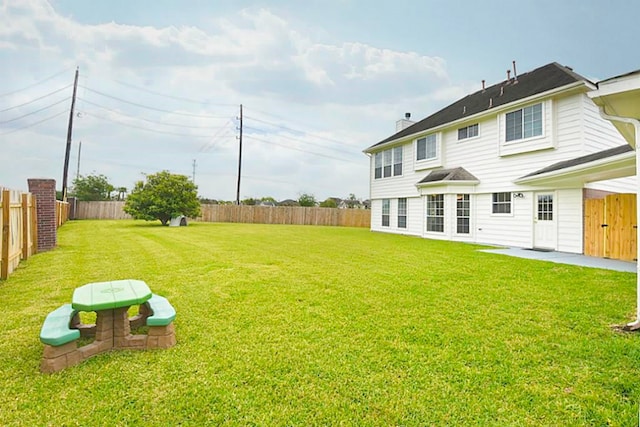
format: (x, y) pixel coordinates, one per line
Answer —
(377, 165)
(388, 163)
(460, 213)
(434, 212)
(386, 212)
(475, 126)
(496, 203)
(402, 212)
(524, 111)
(397, 161)
(427, 140)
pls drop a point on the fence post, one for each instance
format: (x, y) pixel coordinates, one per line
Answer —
(25, 226)
(4, 257)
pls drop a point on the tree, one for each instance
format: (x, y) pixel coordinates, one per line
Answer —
(307, 200)
(92, 188)
(329, 203)
(163, 196)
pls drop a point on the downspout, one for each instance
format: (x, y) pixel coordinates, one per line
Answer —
(633, 326)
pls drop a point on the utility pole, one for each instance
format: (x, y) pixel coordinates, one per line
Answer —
(194, 172)
(239, 158)
(69, 131)
(78, 169)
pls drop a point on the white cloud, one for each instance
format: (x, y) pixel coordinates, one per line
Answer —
(347, 91)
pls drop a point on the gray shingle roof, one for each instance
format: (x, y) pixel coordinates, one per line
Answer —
(454, 174)
(583, 159)
(550, 76)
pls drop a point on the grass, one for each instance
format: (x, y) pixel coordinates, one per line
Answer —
(294, 325)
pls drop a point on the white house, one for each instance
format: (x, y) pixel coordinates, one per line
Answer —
(510, 164)
(619, 101)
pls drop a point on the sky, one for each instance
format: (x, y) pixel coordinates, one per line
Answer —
(161, 82)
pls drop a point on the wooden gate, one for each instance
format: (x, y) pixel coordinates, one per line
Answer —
(610, 229)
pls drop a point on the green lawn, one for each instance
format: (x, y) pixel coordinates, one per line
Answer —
(294, 325)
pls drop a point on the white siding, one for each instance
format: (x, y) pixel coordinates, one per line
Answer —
(599, 134)
(569, 218)
(513, 229)
(572, 128)
(620, 185)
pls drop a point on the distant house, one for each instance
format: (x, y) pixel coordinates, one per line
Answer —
(510, 164)
(289, 202)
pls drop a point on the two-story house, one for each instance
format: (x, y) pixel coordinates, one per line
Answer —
(508, 165)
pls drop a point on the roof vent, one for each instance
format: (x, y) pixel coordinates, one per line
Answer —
(407, 116)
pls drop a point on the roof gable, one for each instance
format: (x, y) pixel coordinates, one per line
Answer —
(449, 175)
(548, 77)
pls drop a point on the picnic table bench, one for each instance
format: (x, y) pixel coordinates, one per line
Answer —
(112, 330)
(55, 330)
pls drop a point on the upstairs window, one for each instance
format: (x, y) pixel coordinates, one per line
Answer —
(524, 123)
(388, 163)
(501, 203)
(426, 147)
(397, 161)
(468, 132)
(387, 157)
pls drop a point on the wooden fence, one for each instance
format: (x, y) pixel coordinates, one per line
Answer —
(19, 229)
(19, 225)
(245, 214)
(610, 227)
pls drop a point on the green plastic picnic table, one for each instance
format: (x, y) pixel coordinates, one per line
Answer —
(109, 295)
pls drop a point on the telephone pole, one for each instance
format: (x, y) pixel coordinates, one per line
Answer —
(69, 131)
(193, 179)
(239, 158)
(79, 150)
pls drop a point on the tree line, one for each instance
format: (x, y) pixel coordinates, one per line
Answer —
(164, 195)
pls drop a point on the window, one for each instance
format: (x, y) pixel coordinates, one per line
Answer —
(426, 147)
(435, 212)
(402, 213)
(387, 157)
(397, 161)
(545, 207)
(386, 207)
(501, 203)
(388, 163)
(462, 213)
(378, 167)
(468, 132)
(524, 123)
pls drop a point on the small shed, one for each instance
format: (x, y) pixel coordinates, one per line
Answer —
(178, 221)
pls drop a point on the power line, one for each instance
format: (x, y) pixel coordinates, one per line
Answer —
(178, 98)
(148, 120)
(34, 112)
(218, 134)
(146, 129)
(37, 99)
(206, 116)
(298, 149)
(35, 84)
(306, 142)
(288, 119)
(36, 123)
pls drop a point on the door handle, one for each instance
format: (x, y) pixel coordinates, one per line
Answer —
(604, 225)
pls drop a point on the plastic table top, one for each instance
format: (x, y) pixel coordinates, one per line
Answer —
(109, 295)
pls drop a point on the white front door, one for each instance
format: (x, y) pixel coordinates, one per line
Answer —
(544, 222)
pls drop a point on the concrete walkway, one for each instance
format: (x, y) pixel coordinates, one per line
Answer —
(567, 258)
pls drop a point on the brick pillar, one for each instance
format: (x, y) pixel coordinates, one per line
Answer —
(45, 192)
